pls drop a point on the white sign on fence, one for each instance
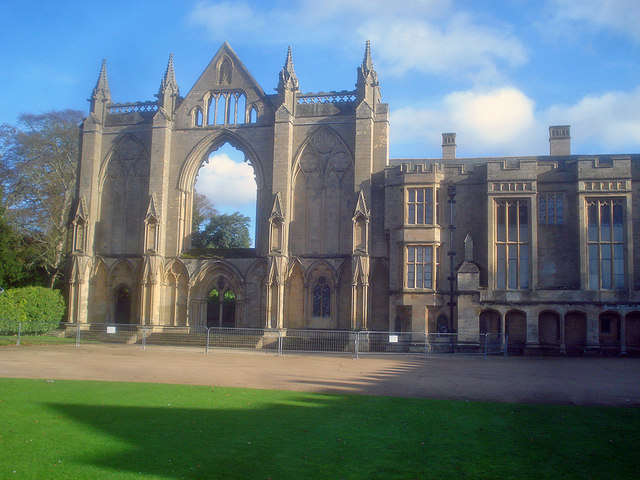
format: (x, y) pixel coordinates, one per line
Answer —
(393, 338)
(111, 329)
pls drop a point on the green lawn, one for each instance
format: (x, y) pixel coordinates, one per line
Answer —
(91, 430)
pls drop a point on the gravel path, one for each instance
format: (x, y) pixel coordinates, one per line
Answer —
(585, 381)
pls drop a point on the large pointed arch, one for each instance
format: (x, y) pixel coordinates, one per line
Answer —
(315, 133)
(193, 162)
(123, 197)
(322, 192)
(188, 175)
(113, 152)
(222, 277)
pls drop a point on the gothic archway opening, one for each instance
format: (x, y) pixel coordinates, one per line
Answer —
(224, 203)
(609, 332)
(221, 308)
(490, 322)
(516, 329)
(122, 311)
(549, 329)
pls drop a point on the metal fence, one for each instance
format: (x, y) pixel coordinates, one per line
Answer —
(258, 339)
(466, 344)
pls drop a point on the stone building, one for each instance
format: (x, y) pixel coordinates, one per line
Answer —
(538, 247)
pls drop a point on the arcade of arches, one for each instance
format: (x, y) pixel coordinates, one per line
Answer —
(543, 248)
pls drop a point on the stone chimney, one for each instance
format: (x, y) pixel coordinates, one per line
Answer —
(448, 145)
(560, 140)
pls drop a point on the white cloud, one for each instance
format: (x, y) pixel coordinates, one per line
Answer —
(221, 19)
(609, 121)
(421, 35)
(229, 185)
(486, 122)
(622, 16)
(504, 122)
(453, 47)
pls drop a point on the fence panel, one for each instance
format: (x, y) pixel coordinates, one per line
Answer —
(322, 341)
(242, 338)
(394, 343)
(466, 344)
(269, 340)
(31, 333)
(174, 336)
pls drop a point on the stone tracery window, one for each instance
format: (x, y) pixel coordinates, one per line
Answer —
(322, 299)
(551, 208)
(605, 243)
(225, 108)
(512, 245)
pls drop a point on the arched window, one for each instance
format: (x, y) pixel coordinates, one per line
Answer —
(242, 109)
(221, 312)
(198, 117)
(221, 110)
(211, 110)
(322, 299)
(253, 115)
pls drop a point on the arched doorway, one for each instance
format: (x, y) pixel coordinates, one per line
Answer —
(442, 324)
(575, 332)
(516, 329)
(490, 322)
(609, 332)
(122, 311)
(632, 332)
(221, 308)
(549, 330)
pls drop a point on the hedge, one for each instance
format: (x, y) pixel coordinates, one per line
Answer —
(38, 309)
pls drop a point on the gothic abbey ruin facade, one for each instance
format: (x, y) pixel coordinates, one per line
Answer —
(346, 238)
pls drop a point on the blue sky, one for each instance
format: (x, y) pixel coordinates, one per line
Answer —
(496, 73)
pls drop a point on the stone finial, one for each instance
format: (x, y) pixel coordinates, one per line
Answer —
(101, 91)
(468, 248)
(169, 83)
(288, 79)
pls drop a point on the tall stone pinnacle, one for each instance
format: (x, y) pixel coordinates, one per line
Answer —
(169, 83)
(101, 91)
(288, 79)
(366, 71)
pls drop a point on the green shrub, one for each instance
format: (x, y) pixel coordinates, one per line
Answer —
(37, 308)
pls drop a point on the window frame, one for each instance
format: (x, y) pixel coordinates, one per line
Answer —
(415, 209)
(551, 208)
(412, 266)
(605, 245)
(512, 244)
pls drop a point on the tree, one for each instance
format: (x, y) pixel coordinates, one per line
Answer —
(11, 268)
(39, 161)
(225, 231)
(203, 210)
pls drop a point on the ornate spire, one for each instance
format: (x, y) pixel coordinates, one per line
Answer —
(169, 83)
(367, 63)
(288, 79)
(101, 92)
(366, 72)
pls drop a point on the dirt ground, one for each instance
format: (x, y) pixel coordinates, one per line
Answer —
(585, 381)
